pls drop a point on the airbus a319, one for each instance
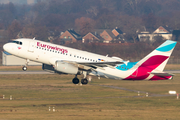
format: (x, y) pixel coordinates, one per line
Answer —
(65, 60)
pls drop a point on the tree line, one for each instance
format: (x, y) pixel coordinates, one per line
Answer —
(85, 16)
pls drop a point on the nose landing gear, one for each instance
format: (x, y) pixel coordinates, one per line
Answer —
(24, 68)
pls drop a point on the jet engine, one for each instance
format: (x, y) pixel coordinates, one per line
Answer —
(65, 67)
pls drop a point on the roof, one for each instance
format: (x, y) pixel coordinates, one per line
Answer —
(118, 30)
(96, 34)
(162, 29)
(74, 34)
(6, 53)
(110, 33)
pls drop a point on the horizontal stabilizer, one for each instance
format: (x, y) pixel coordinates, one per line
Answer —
(162, 74)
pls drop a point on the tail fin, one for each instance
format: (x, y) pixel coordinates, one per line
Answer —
(151, 67)
(158, 58)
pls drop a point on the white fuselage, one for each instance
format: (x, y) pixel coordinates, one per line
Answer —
(48, 53)
(149, 68)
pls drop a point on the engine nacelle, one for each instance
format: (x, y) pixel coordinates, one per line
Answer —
(65, 67)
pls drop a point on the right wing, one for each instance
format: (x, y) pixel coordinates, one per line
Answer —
(94, 65)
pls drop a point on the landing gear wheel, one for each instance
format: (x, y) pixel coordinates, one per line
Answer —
(75, 80)
(24, 68)
(84, 81)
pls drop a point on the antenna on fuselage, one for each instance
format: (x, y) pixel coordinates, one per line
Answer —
(34, 38)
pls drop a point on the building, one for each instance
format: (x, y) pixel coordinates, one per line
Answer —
(117, 32)
(107, 36)
(8, 59)
(91, 37)
(70, 36)
(104, 35)
(163, 32)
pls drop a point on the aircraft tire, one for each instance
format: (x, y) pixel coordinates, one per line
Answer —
(75, 80)
(84, 81)
(24, 68)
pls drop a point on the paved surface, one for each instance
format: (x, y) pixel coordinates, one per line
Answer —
(172, 71)
(24, 72)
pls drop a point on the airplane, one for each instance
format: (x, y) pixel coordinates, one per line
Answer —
(65, 60)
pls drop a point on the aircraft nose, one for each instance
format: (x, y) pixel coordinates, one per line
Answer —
(5, 47)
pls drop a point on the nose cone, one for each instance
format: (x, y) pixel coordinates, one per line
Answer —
(6, 47)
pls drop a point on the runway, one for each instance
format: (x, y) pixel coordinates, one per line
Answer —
(46, 72)
(24, 72)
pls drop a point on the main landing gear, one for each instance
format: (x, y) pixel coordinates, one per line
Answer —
(84, 81)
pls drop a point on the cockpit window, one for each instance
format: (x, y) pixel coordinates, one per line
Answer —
(17, 42)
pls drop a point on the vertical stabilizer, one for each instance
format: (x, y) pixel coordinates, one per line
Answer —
(158, 58)
(153, 63)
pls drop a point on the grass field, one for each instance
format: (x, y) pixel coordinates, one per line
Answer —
(34, 94)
